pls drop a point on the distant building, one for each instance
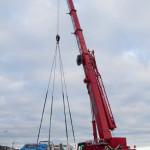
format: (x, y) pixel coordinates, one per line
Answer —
(3, 147)
(7, 148)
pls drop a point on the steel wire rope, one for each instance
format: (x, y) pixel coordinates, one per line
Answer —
(57, 39)
(62, 95)
(46, 95)
(50, 74)
(58, 16)
(62, 82)
(65, 84)
(62, 86)
(63, 76)
(52, 94)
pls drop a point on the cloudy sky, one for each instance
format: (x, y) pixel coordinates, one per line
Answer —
(118, 31)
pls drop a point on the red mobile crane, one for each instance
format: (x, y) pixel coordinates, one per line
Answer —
(102, 120)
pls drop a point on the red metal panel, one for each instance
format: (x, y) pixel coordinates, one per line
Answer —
(94, 131)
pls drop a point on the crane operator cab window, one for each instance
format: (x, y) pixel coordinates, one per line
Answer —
(81, 147)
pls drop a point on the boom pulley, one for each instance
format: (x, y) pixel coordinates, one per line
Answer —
(57, 38)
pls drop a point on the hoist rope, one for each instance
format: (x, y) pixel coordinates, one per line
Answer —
(52, 93)
(63, 86)
(63, 75)
(58, 9)
(57, 47)
(65, 118)
(46, 95)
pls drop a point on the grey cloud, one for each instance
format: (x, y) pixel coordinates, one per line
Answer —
(117, 30)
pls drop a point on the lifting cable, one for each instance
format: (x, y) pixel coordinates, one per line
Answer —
(52, 94)
(58, 8)
(63, 86)
(63, 75)
(46, 94)
(57, 47)
(66, 95)
(54, 60)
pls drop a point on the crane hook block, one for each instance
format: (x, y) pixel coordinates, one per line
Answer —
(57, 38)
(79, 60)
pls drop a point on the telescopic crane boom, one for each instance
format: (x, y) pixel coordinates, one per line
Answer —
(103, 120)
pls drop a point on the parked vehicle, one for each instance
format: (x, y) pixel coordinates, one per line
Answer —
(46, 145)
